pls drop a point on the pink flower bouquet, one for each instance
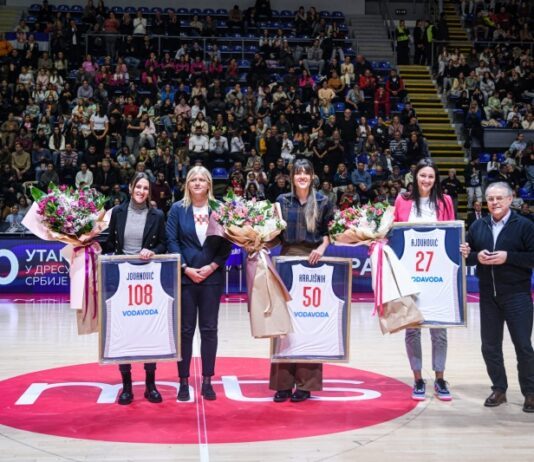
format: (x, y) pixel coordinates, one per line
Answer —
(75, 217)
(255, 226)
(394, 291)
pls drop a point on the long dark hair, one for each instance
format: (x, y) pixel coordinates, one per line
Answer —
(310, 209)
(138, 176)
(436, 194)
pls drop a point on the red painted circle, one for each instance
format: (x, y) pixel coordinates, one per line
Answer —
(243, 411)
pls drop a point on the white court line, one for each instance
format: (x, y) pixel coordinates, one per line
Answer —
(202, 428)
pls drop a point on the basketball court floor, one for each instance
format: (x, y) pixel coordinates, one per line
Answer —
(58, 404)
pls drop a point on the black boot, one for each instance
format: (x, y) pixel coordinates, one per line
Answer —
(207, 390)
(151, 392)
(126, 396)
(183, 392)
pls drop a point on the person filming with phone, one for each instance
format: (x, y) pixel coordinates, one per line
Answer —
(502, 247)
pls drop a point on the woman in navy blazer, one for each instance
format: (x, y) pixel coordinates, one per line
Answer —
(144, 237)
(203, 261)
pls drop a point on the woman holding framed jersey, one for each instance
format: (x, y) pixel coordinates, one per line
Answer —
(137, 229)
(307, 214)
(203, 260)
(426, 203)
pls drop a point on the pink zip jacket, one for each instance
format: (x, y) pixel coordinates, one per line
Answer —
(403, 207)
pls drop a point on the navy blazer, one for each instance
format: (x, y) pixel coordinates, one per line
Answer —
(153, 235)
(182, 238)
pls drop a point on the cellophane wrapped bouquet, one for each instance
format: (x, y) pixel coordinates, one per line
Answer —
(255, 225)
(394, 292)
(75, 217)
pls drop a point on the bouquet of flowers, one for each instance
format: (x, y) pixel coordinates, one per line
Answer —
(75, 217)
(361, 225)
(67, 211)
(394, 291)
(254, 226)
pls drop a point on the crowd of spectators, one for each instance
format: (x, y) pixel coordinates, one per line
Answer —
(93, 120)
(492, 87)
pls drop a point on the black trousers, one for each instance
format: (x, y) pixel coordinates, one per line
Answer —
(516, 311)
(149, 367)
(202, 302)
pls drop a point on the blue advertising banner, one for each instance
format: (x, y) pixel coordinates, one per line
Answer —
(32, 266)
(29, 265)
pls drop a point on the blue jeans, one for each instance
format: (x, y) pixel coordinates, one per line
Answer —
(516, 310)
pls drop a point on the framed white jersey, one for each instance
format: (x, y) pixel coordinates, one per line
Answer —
(319, 310)
(139, 303)
(430, 253)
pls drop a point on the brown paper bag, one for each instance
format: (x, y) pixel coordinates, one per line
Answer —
(269, 316)
(399, 314)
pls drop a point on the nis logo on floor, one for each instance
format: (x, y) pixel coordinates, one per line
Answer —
(79, 401)
(234, 389)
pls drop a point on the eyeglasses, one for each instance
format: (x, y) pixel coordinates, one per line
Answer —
(496, 198)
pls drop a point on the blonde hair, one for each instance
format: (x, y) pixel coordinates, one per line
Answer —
(198, 170)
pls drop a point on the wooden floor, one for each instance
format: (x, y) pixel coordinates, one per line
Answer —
(41, 336)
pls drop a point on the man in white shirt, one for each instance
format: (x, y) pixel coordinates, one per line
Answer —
(218, 146)
(198, 147)
(287, 149)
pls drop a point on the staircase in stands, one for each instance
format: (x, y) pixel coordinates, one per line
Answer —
(9, 18)
(458, 37)
(435, 123)
(371, 37)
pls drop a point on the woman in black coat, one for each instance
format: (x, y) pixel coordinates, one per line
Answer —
(137, 229)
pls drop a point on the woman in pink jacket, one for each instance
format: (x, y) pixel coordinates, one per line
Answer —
(426, 203)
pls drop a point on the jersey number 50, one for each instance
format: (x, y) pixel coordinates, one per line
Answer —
(312, 296)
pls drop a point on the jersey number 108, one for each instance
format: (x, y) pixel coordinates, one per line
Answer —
(140, 294)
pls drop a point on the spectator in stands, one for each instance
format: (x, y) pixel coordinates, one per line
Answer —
(518, 146)
(452, 186)
(5, 47)
(355, 98)
(139, 24)
(198, 145)
(14, 219)
(473, 182)
(418, 41)
(382, 100)
(218, 147)
(415, 148)
(84, 178)
(48, 175)
(9, 130)
(362, 180)
(314, 58)
(476, 214)
(21, 163)
(402, 37)
(473, 126)
(525, 211)
(367, 83)
(347, 72)
(105, 177)
(399, 149)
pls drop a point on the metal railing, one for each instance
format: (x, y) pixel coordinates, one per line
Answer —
(389, 24)
(241, 46)
(478, 45)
